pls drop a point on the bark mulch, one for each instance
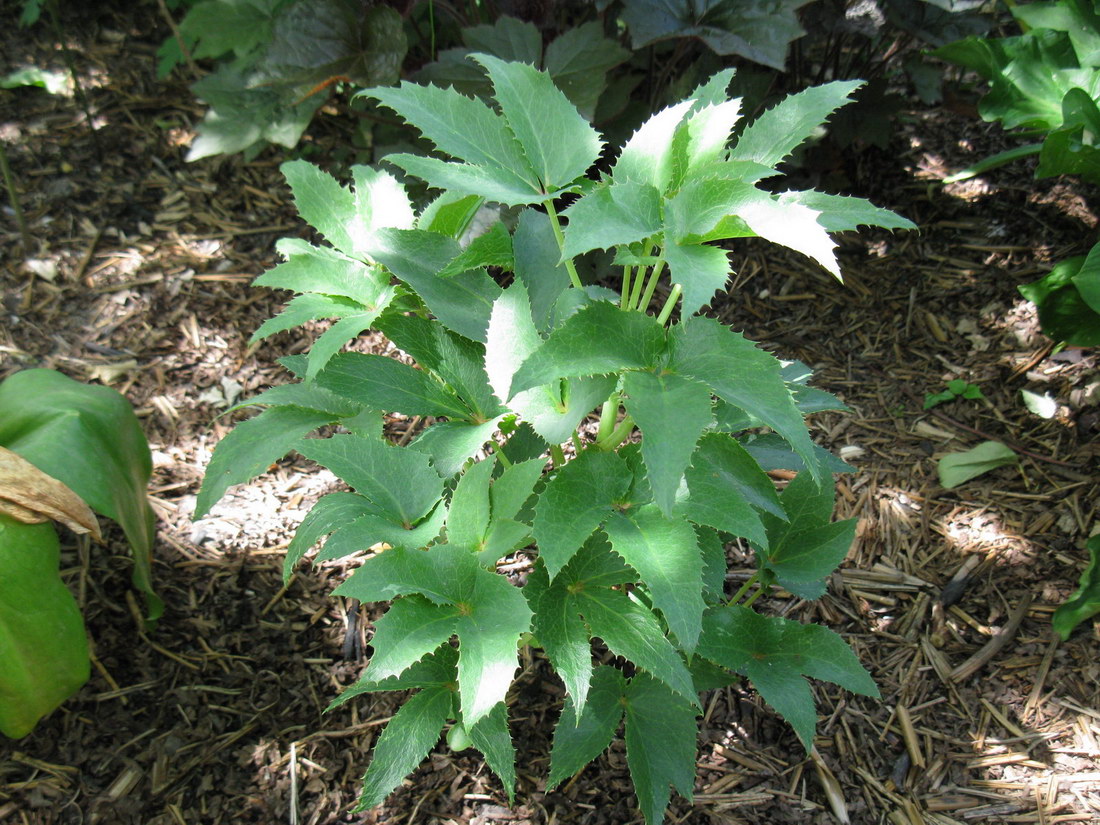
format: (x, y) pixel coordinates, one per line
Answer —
(138, 277)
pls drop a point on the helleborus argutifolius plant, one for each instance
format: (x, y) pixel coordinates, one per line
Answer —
(625, 534)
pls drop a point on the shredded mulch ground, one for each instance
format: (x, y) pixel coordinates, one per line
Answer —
(138, 278)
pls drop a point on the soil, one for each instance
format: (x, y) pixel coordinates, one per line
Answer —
(138, 277)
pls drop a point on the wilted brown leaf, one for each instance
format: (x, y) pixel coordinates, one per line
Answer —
(31, 496)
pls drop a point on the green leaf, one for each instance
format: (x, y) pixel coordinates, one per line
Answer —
(802, 558)
(502, 537)
(491, 737)
(324, 204)
(553, 410)
(373, 528)
(578, 59)
(738, 372)
(494, 248)
(576, 501)
(411, 628)
(397, 480)
(468, 517)
(770, 138)
(333, 339)
(958, 468)
(612, 214)
(672, 413)
(467, 179)
(43, 643)
(775, 653)
(1085, 601)
(492, 614)
(654, 714)
(556, 140)
(665, 552)
(714, 564)
(597, 339)
(450, 214)
(303, 308)
(647, 156)
(771, 452)
(558, 626)
(700, 270)
(389, 385)
(538, 267)
(435, 670)
(463, 128)
(578, 739)
(514, 487)
(329, 513)
(88, 438)
(462, 302)
(450, 443)
(631, 630)
(728, 490)
(840, 213)
(409, 736)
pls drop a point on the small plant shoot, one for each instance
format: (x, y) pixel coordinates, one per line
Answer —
(606, 440)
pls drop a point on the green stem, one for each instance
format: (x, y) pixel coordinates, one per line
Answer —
(577, 446)
(624, 298)
(763, 589)
(499, 450)
(608, 413)
(557, 455)
(13, 196)
(745, 588)
(666, 310)
(650, 286)
(555, 224)
(618, 435)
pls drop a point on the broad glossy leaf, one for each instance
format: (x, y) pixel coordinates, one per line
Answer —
(665, 552)
(775, 654)
(575, 502)
(578, 739)
(740, 373)
(654, 714)
(408, 738)
(502, 537)
(43, 643)
(598, 339)
(397, 480)
(514, 487)
(88, 438)
(770, 138)
(755, 29)
(556, 140)
(612, 214)
(1085, 601)
(491, 737)
(389, 385)
(462, 303)
(412, 627)
(672, 413)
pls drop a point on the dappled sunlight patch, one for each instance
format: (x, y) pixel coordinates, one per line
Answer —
(980, 530)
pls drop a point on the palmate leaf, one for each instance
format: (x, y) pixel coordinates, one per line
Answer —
(537, 266)
(775, 654)
(700, 270)
(412, 627)
(613, 214)
(330, 513)
(491, 737)
(491, 613)
(578, 739)
(324, 270)
(493, 248)
(303, 308)
(374, 528)
(449, 444)
(576, 501)
(390, 385)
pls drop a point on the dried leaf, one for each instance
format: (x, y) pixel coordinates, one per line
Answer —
(31, 496)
